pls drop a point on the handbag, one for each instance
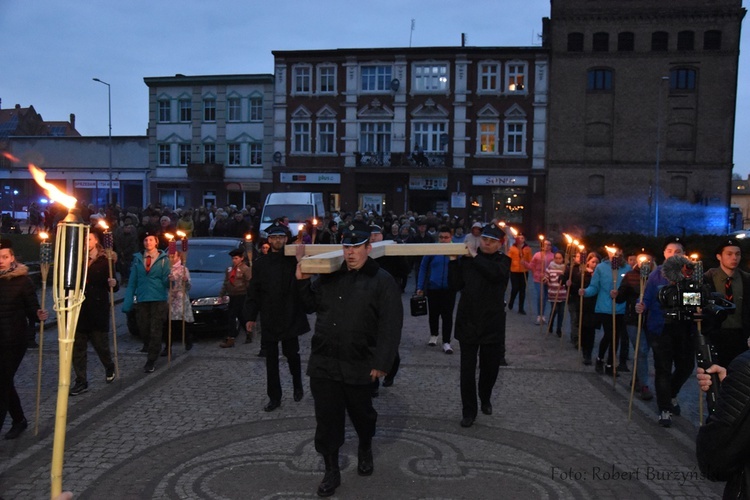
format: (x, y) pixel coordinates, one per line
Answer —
(418, 305)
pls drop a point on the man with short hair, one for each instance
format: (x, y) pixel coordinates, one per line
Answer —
(730, 337)
(357, 332)
(433, 282)
(149, 283)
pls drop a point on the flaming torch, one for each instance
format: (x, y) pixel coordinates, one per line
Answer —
(543, 264)
(108, 244)
(184, 240)
(582, 270)
(644, 267)
(315, 230)
(171, 250)
(45, 259)
(615, 262)
(249, 249)
(69, 282)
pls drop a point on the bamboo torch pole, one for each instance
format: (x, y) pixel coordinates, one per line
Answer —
(615, 263)
(645, 268)
(543, 265)
(582, 271)
(45, 259)
(184, 238)
(107, 243)
(171, 251)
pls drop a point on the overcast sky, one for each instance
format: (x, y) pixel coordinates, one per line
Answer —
(52, 49)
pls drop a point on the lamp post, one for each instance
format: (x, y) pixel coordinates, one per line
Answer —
(658, 156)
(109, 107)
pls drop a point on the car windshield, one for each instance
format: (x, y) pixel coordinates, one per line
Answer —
(208, 259)
(294, 212)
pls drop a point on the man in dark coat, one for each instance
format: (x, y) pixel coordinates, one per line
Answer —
(273, 293)
(18, 304)
(357, 332)
(480, 318)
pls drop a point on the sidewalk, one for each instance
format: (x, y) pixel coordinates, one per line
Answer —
(196, 429)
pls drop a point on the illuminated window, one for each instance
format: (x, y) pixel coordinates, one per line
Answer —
(516, 77)
(430, 77)
(488, 137)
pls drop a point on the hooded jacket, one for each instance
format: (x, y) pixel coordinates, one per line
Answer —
(18, 305)
(152, 286)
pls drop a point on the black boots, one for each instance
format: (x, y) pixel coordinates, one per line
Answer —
(364, 459)
(332, 478)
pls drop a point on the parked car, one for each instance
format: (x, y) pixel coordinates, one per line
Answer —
(207, 260)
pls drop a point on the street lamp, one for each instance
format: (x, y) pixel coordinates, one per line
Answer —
(658, 156)
(109, 106)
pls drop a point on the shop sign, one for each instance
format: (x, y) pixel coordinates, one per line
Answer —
(310, 178)
(500, 180)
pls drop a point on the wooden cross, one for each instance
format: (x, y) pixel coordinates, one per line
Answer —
(326, 259)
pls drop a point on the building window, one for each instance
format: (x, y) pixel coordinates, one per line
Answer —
(209, 110)
(660, 41)
(626, 41)
(164, 111)
(235, 110)
(678, 187)
(430, 137)
(327, 79)
(326, 137)
(301, 137)
(596, 186)
(682, 79)
(376, 78)
(209, 153)
(256, 109)
(430, 77)
(516, 77)
(686, 40)
(575, 42)
(186, 111)
(184, 154)
(488, 137)
(301, 79)
(515, 135)
(256, 154)
(233, 155)
(601, 42)
(375, 137)
(489, 77)
(165, 158)
(599, 79)
(712, 40)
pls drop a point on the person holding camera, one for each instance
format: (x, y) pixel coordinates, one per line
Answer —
(730, 337)
(671, 341)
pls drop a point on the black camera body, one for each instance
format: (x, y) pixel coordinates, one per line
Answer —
(689, 300)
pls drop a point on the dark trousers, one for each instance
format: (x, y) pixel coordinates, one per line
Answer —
(440, 304)
(151, 317)
(290, 349)
(559, 308)
(235, 314)
(10, 360)
(729, 343)
(588, 334)
(518, 287)
(333, 400)
(489, 356)
(391, 373)
(100, 342)
(176, 332)
(673, 347)
(605, 345)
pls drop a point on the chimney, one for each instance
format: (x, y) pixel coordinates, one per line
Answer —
(18, 106)
(72, 120)
(1, 103)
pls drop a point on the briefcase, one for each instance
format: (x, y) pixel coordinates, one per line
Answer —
(418, 305)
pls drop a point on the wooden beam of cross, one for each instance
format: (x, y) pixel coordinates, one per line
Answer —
(326, 259)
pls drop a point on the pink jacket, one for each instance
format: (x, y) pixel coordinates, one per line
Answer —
(537, 266)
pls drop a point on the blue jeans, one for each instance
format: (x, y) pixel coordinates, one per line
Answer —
(641, 367)
(540, 312)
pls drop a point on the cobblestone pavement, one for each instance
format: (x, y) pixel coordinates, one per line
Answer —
(196, 429)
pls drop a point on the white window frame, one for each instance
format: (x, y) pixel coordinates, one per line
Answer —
(237, 160)
(426, 136)
(165, 154)
(430, 77)
(209, 107)
(481, 133)
(301, 79)
(518, 79)
(301, 143)
(509, 136)
(234, 109)
(379, 137)
(255, 154)
(255, 109)
(321, 79)
(485, 73)
(379, 82)
(326, 137)
(184, 154)
(186, 111)
(164, 111)
(209, 149)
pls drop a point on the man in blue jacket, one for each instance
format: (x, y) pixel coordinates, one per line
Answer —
(149, 286)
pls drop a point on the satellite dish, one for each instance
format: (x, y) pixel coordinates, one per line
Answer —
(277, 156)
(395, 84)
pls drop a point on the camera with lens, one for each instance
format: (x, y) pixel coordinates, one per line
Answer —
(686, 298)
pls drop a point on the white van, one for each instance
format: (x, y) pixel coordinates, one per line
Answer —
(298, 207)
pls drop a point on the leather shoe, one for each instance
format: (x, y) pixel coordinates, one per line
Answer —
(467, 421)
(487, 408)
(298, 393)
(272, 405)
(364, 463)
(16, 429)
(330, 482)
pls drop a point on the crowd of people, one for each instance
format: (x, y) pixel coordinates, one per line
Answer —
(359, 315)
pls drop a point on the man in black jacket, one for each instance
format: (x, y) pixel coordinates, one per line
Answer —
(480, 318)
(357, 332)
(272, 292)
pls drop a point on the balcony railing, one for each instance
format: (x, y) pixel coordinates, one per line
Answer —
(416, 159)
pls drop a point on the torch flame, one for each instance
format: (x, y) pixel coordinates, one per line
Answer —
(169, 236)
(54, 194)
(611, 250)
(576, 242)
(694, 257)
(642, 259)
(181, 234)
(103, 225)
(44, 236)
(248, 237)
(568, 238)
(513, 231)
(581, 247)
(541, 237)
(315, 222)
(501, 224)
(10, 157)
